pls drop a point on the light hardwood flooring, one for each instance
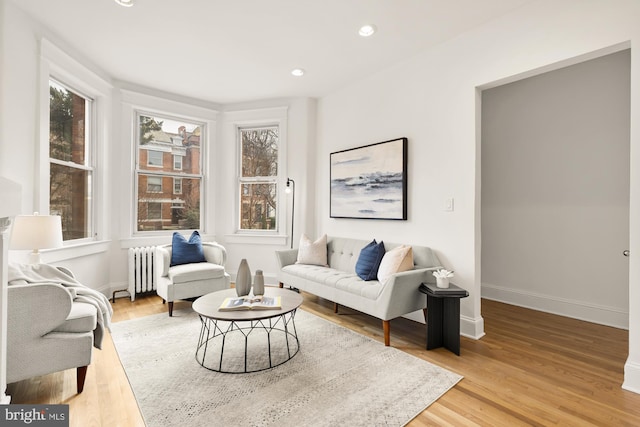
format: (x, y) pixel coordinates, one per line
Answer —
(531, 369)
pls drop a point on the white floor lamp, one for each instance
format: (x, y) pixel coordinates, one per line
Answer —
(291, 189)
(36, 232)
(10, 194)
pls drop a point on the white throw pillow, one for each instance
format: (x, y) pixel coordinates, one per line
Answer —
(394, 261)
(314, 253)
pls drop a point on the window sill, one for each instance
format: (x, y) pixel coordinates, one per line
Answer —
(257, 239)
(73, 251)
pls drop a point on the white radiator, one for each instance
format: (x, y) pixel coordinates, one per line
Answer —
(141, 270)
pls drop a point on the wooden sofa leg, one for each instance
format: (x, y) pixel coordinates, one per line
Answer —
(386, 327)
(280, 284)
(424, 310)
(335, 307)
(81, 374)
(170, 308)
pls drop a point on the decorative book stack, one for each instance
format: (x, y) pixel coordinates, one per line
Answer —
(451, 291)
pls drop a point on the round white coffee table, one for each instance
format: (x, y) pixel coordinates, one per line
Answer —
(246, 340)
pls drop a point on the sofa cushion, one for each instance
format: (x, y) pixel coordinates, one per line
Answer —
(369, 260)
(186, 252)
(314, 253)
(332, 278)
(198, 271)
(396, 260)
(83, 317)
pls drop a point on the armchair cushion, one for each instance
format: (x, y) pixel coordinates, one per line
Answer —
(83, 317)
(187, 252)
(198, 271)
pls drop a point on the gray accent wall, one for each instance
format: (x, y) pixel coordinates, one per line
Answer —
(555, 191)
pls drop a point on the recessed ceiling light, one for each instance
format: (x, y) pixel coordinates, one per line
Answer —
(298, 72)
(125, 3)
(367, 30)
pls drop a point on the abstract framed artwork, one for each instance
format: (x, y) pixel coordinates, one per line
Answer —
(370, 182)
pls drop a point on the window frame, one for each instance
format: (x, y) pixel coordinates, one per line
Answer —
(177, 181)
(137, 171)
(281, 201)
(57, 65)
(153, 165)
(177, 156)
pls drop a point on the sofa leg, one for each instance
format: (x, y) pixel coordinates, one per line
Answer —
(386, 327)
(424, 310)
(170, 308)
(81, 374)
(335, 307)
(164, 301)
(280, 284)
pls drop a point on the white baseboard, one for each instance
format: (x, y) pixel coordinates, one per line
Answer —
(603, 315)
(472, 328)
(631, 377)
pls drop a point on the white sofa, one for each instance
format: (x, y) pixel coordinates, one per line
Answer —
(339, 282)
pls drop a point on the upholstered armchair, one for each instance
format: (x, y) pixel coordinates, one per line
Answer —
(48, 332)
(192, 280)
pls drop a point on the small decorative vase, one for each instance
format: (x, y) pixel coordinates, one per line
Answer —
(258, 283)
(442, 282)
(243, 279)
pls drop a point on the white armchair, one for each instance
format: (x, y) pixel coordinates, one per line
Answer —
(48, 332)
(190, 280)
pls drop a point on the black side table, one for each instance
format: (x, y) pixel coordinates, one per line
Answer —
(443, 316)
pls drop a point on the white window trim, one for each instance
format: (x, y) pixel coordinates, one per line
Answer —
(276, 116)
(136, 102)
(149, 164)
(177, 156)
(57, 65)
(175, 181)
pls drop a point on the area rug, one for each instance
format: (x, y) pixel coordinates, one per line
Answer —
(338, 377)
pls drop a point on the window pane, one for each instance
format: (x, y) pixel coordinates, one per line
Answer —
(171, 149)
(181, 139)
(170, 211)
(70, 198)
(258, 207)
(68, 114)
(154, 158)
(259, 152)
(154, 184)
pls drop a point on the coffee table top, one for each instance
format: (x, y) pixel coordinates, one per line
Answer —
(208, 305)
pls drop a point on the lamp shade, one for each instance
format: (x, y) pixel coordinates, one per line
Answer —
(36, 232)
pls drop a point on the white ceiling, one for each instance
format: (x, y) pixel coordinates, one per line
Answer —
(239, 50)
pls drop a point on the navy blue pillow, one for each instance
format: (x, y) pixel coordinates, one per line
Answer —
(186, 252)
(369, 260)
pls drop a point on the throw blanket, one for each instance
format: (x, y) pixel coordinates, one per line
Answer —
(24, 274)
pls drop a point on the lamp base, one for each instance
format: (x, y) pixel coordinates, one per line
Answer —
(34, 258)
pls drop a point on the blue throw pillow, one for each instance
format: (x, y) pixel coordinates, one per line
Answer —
(186, 252)
(369, 260)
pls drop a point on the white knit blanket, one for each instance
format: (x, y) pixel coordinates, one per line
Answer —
(24, 274)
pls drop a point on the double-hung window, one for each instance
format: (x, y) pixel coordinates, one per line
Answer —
(70, 160)
(168, 173)
(258, 178)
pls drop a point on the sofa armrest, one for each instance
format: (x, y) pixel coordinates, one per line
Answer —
(287, 257)
(35, 310)
(214, 253)
(401, 292)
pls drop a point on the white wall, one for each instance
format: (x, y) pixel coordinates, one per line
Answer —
(555, 191)
(433, 100)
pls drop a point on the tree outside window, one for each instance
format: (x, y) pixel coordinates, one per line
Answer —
(258, 178)
(70, 166)
(169, 173)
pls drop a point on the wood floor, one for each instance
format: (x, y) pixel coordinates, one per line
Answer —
(531, 369)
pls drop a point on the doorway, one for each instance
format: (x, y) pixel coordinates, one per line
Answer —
(555, 191)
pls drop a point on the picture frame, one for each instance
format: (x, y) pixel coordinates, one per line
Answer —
(369, 182)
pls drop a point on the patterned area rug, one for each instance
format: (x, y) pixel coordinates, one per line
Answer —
(338, 377)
